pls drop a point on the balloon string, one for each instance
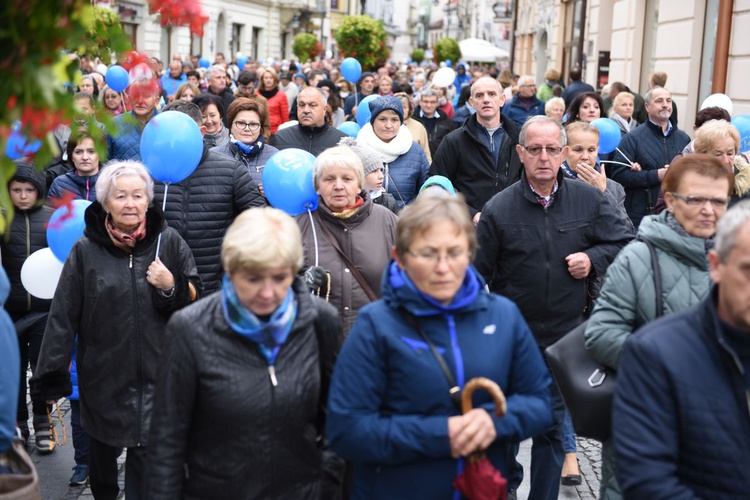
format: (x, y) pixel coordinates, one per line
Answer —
(616, 162)
(163, 208)
(623, 154)
(315, 235)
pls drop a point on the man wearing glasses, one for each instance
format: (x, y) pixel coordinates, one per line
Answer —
(540, 242)
(525, 103)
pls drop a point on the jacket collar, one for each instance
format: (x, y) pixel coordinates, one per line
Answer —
(508, 125)
(313, 130)
(529, 194)
(96, 231)
(659, 131)
(359, 217)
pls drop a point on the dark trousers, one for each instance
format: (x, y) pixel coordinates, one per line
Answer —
(30, 332)
(80, 438)
(103, 471)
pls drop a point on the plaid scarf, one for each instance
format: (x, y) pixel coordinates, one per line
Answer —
(351, 210)
(121, 239)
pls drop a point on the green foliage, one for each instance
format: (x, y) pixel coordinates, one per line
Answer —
(306, 47)
(34, 70)
(364, 39)
(417, 55)
(447, 49)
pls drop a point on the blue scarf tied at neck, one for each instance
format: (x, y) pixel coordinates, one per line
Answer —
(464, 297)
(270, 335)
(250, 150)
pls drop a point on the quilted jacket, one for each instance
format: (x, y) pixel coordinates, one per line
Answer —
(203, 206)
(406, 174)
(627, 301)
(681, 415)
(125, 144)
(254, 164)
(83, 188)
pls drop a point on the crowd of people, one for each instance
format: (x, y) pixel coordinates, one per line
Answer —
(231, 347)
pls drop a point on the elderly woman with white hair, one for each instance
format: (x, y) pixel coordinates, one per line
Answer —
(348, 239)
(241, 395)
(119, 285)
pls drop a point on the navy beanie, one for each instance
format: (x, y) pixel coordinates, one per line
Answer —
(385, 103)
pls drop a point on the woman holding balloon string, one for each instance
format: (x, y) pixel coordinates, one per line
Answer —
(119, 317)
(347, 240)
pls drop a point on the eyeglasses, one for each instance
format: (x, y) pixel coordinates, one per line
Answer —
(537, 150)
(433, 258)
(699, 201)
(252, 126)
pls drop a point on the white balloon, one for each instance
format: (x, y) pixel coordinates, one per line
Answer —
(444, 77)
(40, 273)
(718, 100)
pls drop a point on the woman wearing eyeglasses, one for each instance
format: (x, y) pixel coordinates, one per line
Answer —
(390, 411)
(112, 101)
(247, 143)
(697, 189)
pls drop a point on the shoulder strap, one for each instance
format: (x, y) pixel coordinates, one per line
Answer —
(355, 272)
(455, 390)
(657, 277)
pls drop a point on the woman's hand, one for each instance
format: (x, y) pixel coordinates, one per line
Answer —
(473, 431)
(588, 174)
(159, 276)
(635, 166)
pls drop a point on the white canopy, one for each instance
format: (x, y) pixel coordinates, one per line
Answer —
(477, 50)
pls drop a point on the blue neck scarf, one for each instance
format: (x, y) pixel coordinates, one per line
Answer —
(270, 335)
(464, 297)
(250, 150)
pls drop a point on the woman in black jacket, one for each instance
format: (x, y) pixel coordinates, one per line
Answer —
(244, 380)
(117, 293)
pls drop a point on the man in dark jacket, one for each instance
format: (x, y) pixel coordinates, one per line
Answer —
(680, 417)
(525, 103)
(312, 133)
(203, 206)
(540, 242)
(576, 87)
(365, 86)
(480, 157)
(437, 125)
(216, 76)
(652, 146)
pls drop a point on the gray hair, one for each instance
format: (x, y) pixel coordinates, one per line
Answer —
(650, 93)
(105, 184)
(428, 93)
(540, 119)
(525, 80)
(187, 107)
(728, 228)
(318, 91)
(486, 79)
(339, 156)
(216, 67)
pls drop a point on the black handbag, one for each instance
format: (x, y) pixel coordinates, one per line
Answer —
(586, 385)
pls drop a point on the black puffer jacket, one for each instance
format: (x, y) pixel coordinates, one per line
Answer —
(220, 427)
(314, 140)
(464, 159)
(28, 233)
(204, 205)
(103, 296)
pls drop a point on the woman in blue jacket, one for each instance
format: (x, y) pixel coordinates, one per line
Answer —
(389, 410)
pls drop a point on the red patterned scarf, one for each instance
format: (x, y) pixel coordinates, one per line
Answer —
(123, 240)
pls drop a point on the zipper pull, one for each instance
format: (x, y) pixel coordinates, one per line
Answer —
(131, 261)
(272, 374)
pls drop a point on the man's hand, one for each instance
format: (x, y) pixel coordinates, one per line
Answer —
(473, 431)
(579, 265)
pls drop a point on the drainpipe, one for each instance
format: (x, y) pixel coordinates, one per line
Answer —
(514, 3)
(721, 54)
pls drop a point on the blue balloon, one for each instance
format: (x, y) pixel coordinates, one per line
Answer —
(117, 78)
(18, 145)
(241, 62)
(288, 181)
(609, 134)
(363, 110)
(171, 146)
(351, 70)
(742, 124)
(204, 62)
(65, 227)
(349, 128)
(448, 63)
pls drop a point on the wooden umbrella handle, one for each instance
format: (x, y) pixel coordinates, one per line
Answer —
(489, 386)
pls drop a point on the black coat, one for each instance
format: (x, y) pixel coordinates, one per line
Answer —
(465, 160)
(443, 126)
(314, 140)
(202, 207)
(648, 146)
(220, 427)
(104, 298)
(522, 250)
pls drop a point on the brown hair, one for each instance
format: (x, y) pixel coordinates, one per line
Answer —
(262, 73)
(703, 165)
(187, 85)
(248, 104)
(74, 141)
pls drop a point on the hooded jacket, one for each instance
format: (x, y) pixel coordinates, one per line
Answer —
(389, 403)
(104, 297)
(27, 234)
(465, 160)
(202, 207)
(221, 427)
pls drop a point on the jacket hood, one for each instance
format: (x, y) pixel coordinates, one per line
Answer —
(95, 230)
(655, 229)
(25, 173)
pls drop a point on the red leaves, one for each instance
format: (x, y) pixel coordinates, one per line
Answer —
(133, 59)
(181, 13)
(39, 122)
